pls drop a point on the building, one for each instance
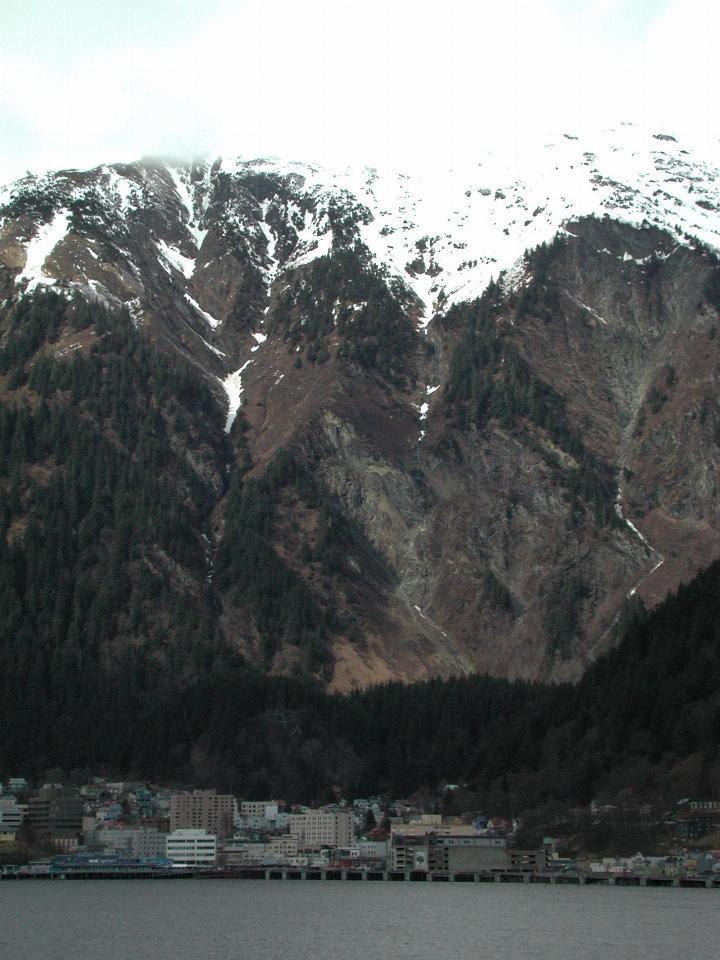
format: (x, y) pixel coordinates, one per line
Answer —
(528, 861)
(317, 829)
(697, 823)
(235, 853)
(447, 852)
(132, 843)
(283, 846)
(12, 814)
(369, 850)
(66, 816)
(91, 863)
(155, 823)
(202, 810)
(196, 848)
(266, 809)
(50, 815)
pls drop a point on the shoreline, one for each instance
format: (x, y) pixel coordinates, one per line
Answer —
(346, 875)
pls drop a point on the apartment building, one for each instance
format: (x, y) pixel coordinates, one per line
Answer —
(202, 810)
(317, 829)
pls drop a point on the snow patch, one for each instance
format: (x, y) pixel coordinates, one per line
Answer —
(584, 306)
(184, 265)
(233, 387)
(312, 249)
(135, 311)
(460, 228)
(185, 197)
(631, 526)
(49, 235)
(206, 316)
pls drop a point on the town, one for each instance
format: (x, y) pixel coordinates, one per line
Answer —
(104, 828)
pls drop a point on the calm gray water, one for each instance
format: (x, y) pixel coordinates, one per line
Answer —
(255, 920)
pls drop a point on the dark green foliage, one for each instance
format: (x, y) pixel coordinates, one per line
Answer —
(496, 593)
(711, 291)
(250, 569)
(540, 297)
(346, 291)
(34, 321)
(490, 381)
(36, 201)
(97, 511)
(562, 616)
(253, 574)
(107, 661)
(264, 186)
(344, 215)
(656, 399)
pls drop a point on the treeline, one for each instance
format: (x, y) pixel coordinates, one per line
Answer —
(111, 651)
(644, 722)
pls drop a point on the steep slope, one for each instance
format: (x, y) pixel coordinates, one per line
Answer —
(417, 470)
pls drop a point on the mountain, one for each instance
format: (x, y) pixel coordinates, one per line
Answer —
(360, 425)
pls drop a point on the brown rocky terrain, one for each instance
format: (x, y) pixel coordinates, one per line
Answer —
(501, 539)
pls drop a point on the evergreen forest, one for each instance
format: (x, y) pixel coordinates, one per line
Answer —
(113, 659)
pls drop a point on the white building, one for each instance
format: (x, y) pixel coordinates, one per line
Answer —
(369, 850)
(317, 829)
(192, 847)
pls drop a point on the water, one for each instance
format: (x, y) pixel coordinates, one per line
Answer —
(256, 920)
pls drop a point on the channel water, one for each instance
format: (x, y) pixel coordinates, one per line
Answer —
(303, 920)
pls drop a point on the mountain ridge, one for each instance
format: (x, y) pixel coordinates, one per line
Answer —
(496, 416)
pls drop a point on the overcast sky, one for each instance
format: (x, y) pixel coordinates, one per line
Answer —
(400, 82)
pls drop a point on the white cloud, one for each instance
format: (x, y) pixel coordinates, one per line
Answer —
(398, 81)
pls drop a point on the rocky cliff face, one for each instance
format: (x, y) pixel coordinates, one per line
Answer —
(498, 392)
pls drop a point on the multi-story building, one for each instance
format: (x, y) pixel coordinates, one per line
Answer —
(11, 814)
(236, 853)
(445, 849)
(285, 845)
(193, 847)
(134, 843)
(66, 815)
(267, 809)
(155, 823)
(369, 850)
(317, 829)
(202, 810)
(55, 816)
